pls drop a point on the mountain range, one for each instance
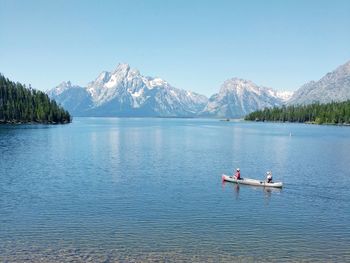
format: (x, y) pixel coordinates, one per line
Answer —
(126, 92)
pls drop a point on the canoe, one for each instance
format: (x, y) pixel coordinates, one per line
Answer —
(251, 181)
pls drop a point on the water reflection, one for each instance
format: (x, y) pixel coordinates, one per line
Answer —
(266, 191)
(236, 190)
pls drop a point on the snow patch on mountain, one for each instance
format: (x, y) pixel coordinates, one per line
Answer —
(238, 97)
(284, 96)
(125, 92)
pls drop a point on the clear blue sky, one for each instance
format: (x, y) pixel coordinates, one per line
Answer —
(194, 45)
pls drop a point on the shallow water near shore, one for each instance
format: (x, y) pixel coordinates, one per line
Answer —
(149, 189)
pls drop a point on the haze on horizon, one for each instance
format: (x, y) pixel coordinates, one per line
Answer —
(194, 45)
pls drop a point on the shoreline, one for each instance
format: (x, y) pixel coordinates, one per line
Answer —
(307, 122)
(15, 122)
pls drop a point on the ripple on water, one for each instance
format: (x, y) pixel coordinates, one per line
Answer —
(146, 190)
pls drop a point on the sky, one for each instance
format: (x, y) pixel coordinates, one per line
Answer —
(194, 45)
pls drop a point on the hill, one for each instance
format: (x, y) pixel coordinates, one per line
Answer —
(19, 104)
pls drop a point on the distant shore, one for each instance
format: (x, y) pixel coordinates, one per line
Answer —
(16, 122)
(307, 122)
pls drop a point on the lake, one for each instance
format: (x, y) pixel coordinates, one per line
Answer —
(150, 189)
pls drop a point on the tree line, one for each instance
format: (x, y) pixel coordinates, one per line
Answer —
(21, 104)
(329, 113)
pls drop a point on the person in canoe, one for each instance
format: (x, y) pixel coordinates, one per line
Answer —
(269, 177)
(237, 175)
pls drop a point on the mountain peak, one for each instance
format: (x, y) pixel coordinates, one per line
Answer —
(238, 85)
(125, 92)
(123, 70)
(233, 82)
(122, 67)
(237, 80)
(63, 86)
(237, 97)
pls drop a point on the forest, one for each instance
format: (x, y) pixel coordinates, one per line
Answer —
(330, 113)
(19, 104)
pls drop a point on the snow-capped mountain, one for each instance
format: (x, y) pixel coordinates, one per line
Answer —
(334, 86)
(125, 92)
(238, 97)
(75, 99)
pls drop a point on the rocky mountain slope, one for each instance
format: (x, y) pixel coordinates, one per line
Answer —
(75, 99)
(238, 97)
(334, 86)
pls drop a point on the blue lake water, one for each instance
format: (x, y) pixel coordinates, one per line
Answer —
(110, 190)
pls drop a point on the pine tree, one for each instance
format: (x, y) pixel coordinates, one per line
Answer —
(21, 104)
(330, 113)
